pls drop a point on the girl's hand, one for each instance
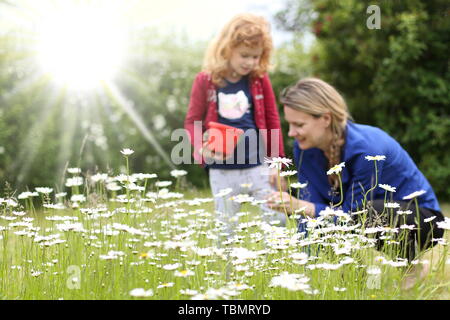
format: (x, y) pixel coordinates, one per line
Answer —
(273, 180)
(281, 202)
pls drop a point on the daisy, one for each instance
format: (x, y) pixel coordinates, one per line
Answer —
(429, 219)
(74, 170)
(375, 158)
(242, 198)
(44, 190)
(387, 187)
(24, 195)
(278, 162)
(127, 152)
(78, 198)
(444, 224)
(178, 173)
(189, 292)
(289, 281)
(172, 266)
(392, 205)
(165, 285)
(406, 212)
(288, 173)
(298, 185)
(336, 169)
(11, 203)
(99, 177)
(142, 176)
(440, 241)
(406, 226)
(140, 292)
(413, 195)
(75, 181)
(163, 184)
(184, 273)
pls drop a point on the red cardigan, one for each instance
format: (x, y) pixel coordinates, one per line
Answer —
(203, 107)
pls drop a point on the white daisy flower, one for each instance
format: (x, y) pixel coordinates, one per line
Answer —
(165, 285)
(298, 185)
(163, 184)
(184, 273)
(74, 181)
(415, 194)
(336, 169)
(288, 173)
(99, 177)
(408, 226)
(444, 224)
(392, 205)
(278, 162)
(126, 152)
(74, 170)
(189, 292)
(141, 293)
(44, 190)
(178, 173)
(78, 198)
(405, 212)
(172, 266)
(291, 282)
(375, 158)
(387, 187)
(429, 219)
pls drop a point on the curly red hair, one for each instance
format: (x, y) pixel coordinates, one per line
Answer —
(247, 29)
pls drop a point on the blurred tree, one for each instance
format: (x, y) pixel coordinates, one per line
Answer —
(396, 77)
(45, 128)
(291, 62)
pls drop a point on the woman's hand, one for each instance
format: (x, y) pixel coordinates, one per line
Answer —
(273, 180)
(290, 203)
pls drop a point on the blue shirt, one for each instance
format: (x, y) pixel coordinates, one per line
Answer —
(235, 108)
(398, 170)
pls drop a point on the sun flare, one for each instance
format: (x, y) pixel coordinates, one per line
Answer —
(81, 47)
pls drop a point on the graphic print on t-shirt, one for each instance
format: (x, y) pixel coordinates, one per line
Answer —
(233, 105)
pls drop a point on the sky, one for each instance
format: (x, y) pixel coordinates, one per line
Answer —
(202, 19)
(199, 19)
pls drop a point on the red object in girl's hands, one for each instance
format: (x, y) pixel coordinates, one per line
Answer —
(223, 138)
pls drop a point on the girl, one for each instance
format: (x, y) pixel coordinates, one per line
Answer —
(234, 89)
(325, 137)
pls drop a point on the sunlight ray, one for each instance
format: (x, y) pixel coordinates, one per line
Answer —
(34, 139)
(123, 102)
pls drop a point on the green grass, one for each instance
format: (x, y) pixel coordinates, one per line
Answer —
(147, 243)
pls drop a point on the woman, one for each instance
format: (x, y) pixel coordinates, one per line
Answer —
(367, 161)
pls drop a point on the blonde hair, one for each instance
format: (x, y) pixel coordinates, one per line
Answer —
(316, 97)
(247, 29)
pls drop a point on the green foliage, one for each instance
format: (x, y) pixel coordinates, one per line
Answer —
(291, 63)
(396, 77)
(45, 128)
